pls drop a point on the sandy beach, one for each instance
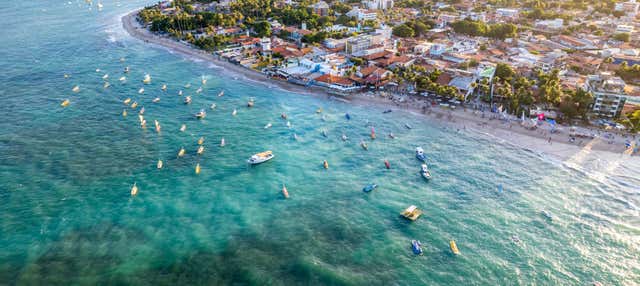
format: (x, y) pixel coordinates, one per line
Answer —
(541, 141)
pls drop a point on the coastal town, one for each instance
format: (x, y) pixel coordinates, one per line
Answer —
(572, 62)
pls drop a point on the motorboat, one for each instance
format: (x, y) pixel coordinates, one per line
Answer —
(183, 127)
(234, 112)
(65, 103)
(547, 215)
(76, 89)
(204, 80)
(454, 247)
(268, 125)
(323, 118)
(147, 79)
(424, 171)
(408, 126)
(222, 143)
(199, 90)
(260, 158)
(295, 136)
(200, 150)
(201, 114)
(122, 79)
(160, 164)
(179, 92)
(134, 105)
(126, 101)
(283, 116)
(420, 154)
(250, 103)
(134, 190)
(156, 100)
(213, 106)
(289, 124)
(142, 110)
(124, 113)
(105, 76)
(325, 164)
(181, 152)
(369, 188)
(319, 110)
(141, 90)
(187, 100)
(143, 123)
(197, 168)
(157, 124)
(347, 116)
(392, 136)
(285, 193)
(364, 145)
(411, 213)
(106, 84)
(200, 140)
(387, 164)
(221, 93)
(164, 87)
(344, 137)
(387, 111)
(127, 69)
(416, 247)
(188, 85)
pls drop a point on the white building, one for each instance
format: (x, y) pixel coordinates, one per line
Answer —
(624, 29)
(508, 13)
(555, 24)
(631, 7)
(379, 4)
(356, 45)
(609, 94)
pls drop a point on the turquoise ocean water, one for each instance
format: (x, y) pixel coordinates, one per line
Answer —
(67, 217)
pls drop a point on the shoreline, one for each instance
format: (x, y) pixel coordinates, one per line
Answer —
(540, 141)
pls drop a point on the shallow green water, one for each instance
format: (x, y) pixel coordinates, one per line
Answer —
(66, 215)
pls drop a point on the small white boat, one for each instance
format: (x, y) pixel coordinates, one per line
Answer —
(288, 124)
(268, 125)
(199, 90)
(156, 100)
(179, 92)
(181, 152)
(213, 106)
(147, 79)
(76, 89)
(98, 70)
(183, 127)
(141, 112)
(364, 145)
(124, 113)
(188, 85)
(141, 90)
(105, 76)
(158, 128)
(164, 87)
(106, 85)
(221, 93)
(424, 171)
(222, 143)
(65, 103)
(204, 80)
(160, 164)
(122, 78)
(134, 190)
(408, 126)
(234, 112)
(295, 136)
(187, 100)
(260, 158)
(127, 70)
(344, 137)
(285, 193)
(201, 115)
(200, 150)
(126, 101)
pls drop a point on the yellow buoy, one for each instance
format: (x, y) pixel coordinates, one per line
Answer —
(134, 190)
(181, 152)
(200, 150)
(198, 168)
(65, 103)
(159, 164)
(201, 140)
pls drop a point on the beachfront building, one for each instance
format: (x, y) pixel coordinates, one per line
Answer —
(609, 92)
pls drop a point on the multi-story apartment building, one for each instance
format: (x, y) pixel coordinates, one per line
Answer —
(609, 93)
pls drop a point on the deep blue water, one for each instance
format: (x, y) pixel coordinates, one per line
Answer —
(67, 217)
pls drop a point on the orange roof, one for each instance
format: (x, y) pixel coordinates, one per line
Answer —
(331, 79)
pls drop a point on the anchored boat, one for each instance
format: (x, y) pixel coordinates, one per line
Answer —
(411, 213)
(424, 171)
(260, 158)
(416, 247)
(369, 188)
(420, 154)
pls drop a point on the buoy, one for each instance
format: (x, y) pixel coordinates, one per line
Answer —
(134, 190)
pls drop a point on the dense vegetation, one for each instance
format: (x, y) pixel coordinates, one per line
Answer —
(478, 28)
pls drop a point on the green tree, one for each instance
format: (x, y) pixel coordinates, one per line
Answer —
(624, 37)
(262, 29)
(403, 31)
